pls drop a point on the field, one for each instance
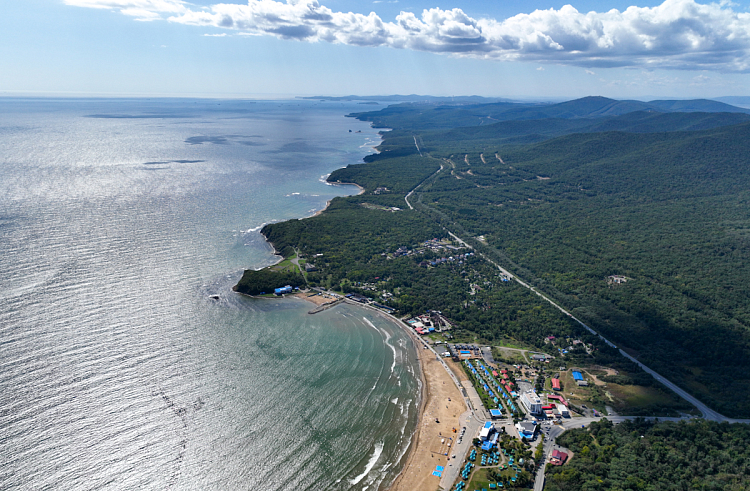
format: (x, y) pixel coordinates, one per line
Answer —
(624, 399)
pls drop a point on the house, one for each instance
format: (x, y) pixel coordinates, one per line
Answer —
(558, 457)
(526, 429)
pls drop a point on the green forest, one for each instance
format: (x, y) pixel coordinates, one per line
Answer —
(586, 192)
(647, 456)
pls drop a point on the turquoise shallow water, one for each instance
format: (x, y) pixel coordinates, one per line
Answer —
(118, 219)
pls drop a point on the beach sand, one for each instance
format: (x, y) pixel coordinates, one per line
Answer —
(328, 203)
(314, 298)
(432, 438)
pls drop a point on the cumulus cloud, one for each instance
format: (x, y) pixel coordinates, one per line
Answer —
(678, 34)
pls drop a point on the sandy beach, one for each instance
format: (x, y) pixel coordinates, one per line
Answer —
(314, 297)
(328, 203)
(440, 412)
(432, 438)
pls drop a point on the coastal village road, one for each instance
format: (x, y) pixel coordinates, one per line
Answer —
(453, 469)
(706, 411)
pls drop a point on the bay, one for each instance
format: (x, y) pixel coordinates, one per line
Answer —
(118, 220)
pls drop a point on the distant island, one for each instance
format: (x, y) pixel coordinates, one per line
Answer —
(537, 228)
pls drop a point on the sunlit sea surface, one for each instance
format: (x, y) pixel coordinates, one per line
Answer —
(118, 220)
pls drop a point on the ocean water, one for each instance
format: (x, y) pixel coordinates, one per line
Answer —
(118, 220)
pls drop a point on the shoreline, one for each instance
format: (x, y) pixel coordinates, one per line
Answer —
(435, 385)
(440, 399)
(328, 203)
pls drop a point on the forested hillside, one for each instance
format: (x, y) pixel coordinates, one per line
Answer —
(665, 456)
(666, 210)
(661, 204)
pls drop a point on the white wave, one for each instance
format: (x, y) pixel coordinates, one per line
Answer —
(404, 448)
(387, 338)
(395, 400)
(255, 229)
(371, 463)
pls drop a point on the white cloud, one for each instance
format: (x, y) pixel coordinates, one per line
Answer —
(590, 72)
(678, 34)
(540, 69)
(223, 34)
(140, 9)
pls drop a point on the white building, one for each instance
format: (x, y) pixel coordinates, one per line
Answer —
(532, 402)
(563, 410)
(486, 431)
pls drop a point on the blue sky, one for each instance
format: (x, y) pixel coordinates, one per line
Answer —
(267, 48)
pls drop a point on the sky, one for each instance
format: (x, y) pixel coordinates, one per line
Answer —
(536, 49)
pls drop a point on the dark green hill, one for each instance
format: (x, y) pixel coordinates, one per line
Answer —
(698, 105)
(667, 210)
(659, 198)
(425, 116)
(529, 131)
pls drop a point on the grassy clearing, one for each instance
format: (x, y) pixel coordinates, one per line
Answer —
(511, 357)
(624, 399)
(286, 265)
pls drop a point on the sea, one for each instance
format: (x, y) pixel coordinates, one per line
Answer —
(120, 219)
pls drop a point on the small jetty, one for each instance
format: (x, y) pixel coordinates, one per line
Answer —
(326, 306)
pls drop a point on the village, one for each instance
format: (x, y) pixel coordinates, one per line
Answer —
(522, 403)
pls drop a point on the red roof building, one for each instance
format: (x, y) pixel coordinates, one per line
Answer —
(558, 457)
(555, 384)
(558, 398)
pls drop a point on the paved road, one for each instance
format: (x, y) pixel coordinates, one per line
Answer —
(487, 355)
(706, 411)
(461, 450)
(406, 198)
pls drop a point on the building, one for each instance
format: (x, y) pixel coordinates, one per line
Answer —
(555, 384)
(531, 402)
(526, 429)
(563, 410)
(283, 290)
(558, 457)
(496, 413)
(488, 429)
